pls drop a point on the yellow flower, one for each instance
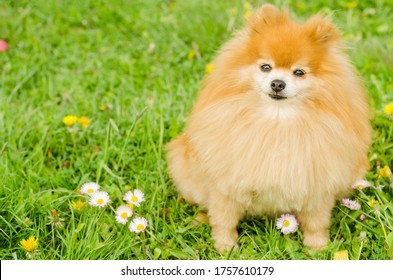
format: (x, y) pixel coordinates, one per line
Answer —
(84, 122)
(77, 205)
(373, 203)
(210, 68)
(191, 55)
(388, 109)
(352, 4)
(70, 120)
(55, 214)
(247, 14)
(385, 172)
(341, 255)
(30, 244)
(104, 107)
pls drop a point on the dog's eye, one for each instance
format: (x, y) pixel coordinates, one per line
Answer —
(266, 68)
(298, 73)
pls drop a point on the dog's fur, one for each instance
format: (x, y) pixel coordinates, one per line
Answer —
(243, 152)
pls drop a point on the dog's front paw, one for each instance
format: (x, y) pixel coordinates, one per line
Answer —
(222, 248)
(317, 240)
(224, 239)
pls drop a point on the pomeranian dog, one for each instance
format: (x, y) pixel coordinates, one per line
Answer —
(280, 126)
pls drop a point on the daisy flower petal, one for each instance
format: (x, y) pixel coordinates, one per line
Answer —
(121, 220)
(351, 204)
(90, 188)
(99, 199)
(138, 224)
(135, 197)
(122, 214)
(361, 184)
(287, 223)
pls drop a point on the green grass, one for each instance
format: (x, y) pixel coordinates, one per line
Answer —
(71, 57)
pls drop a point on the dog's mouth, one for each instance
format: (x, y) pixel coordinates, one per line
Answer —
(277, 97)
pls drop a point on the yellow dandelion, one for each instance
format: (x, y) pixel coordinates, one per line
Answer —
(77, 205)
(388, 109)
(352, 5)
(210, 68)
(84, 122)
(341, 255)
(247, 14)
(373, 203)
(30, 245)
(70, 120)
(191, 55)
(385, 172)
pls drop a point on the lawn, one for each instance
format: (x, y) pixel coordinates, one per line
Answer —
(133, 69)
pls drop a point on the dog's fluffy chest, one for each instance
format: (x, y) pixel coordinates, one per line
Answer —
(274, 164)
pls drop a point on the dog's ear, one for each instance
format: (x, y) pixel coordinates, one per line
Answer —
(267, 15)
(322, 30)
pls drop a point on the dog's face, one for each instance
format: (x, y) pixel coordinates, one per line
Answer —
(288, 59)
(281, 83)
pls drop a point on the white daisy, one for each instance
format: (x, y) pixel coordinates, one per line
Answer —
(361, 184)
(135, 197)
(99, 199)
(122, 214)
(287, 223)
(90, 188)
(138, 224)
(351, 204)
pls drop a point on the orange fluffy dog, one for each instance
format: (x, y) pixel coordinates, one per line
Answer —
(280, 126)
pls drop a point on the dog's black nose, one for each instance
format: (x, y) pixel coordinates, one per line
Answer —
(277, 85)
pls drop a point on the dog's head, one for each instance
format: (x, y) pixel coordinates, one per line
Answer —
(288, 56)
